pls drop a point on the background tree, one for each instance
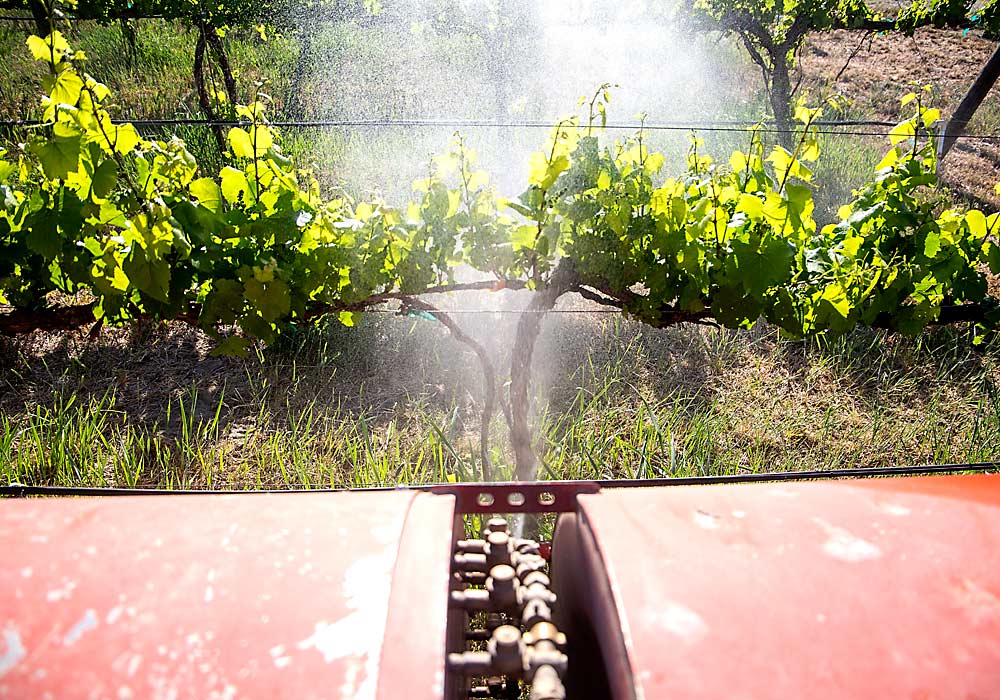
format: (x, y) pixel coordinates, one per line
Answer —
(772, 32)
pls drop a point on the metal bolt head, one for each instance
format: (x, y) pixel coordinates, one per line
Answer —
(505, 650)
(502, 585)
(502, 573)
(496, 525)
(507, 636)
(498, 548)
(544, 631)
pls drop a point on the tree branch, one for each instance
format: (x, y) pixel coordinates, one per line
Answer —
(489, 375)
(376, 299)
(67, 318)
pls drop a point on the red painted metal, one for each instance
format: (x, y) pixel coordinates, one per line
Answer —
(311, 596)
(886, 588)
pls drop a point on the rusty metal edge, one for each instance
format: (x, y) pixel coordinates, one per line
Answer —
(561, 495)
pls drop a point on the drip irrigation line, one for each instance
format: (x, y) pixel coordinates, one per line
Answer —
(15, 18)
(488, 311)
(832, 128)
(17, 490)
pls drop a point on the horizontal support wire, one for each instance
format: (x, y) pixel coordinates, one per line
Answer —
(17, 490)
(832, 128)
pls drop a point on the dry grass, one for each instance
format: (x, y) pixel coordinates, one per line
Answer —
(885, 70)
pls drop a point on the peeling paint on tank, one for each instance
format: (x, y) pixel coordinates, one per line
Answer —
(782, 493)
(978, 604)
(65, 591)
(133, 664)
(680, 621)
(281, 659)
(841, 544)
(88, 622)
(228, 537)
(357, 637)
(705, 520)
(895, 509)
(14, 650)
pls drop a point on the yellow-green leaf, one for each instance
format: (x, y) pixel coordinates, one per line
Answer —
(902, 132)
(234, 185)
(977, 223)
(240, 143)
(208, 194)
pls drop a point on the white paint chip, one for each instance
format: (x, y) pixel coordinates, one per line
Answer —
(13, 649)
(113, 615)
(681, 621)
(61, 593)
(978, 604)
(705, 520)
(88, 622)
(895, 509)
(841, 544)
(357, 637)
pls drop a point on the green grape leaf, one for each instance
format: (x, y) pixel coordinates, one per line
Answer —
(124, 137)
(932, 244)
(240, 143)
(43, 235)
(208, 194)
(234, 185)
(224, 303)
(271, 298)
(902, 132)
(234, 345)
(59, 156)
(977, 223)
(64, 87)
(43, 49)
(104, 180)
(149, 276)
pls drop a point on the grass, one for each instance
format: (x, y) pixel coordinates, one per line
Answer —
(615, 400)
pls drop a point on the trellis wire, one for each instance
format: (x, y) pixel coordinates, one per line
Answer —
(826, 127)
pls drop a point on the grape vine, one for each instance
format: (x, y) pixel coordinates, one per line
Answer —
(128, 228)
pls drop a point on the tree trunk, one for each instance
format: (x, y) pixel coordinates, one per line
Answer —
(40, 13)
(204, 99)
(131, 41)
(781, 98)
(215, 43)
(528, 328)
(296, 108)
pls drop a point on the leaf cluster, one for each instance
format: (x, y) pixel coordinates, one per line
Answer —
(90, 207)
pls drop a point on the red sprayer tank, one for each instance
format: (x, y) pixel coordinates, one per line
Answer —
(849, 588)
